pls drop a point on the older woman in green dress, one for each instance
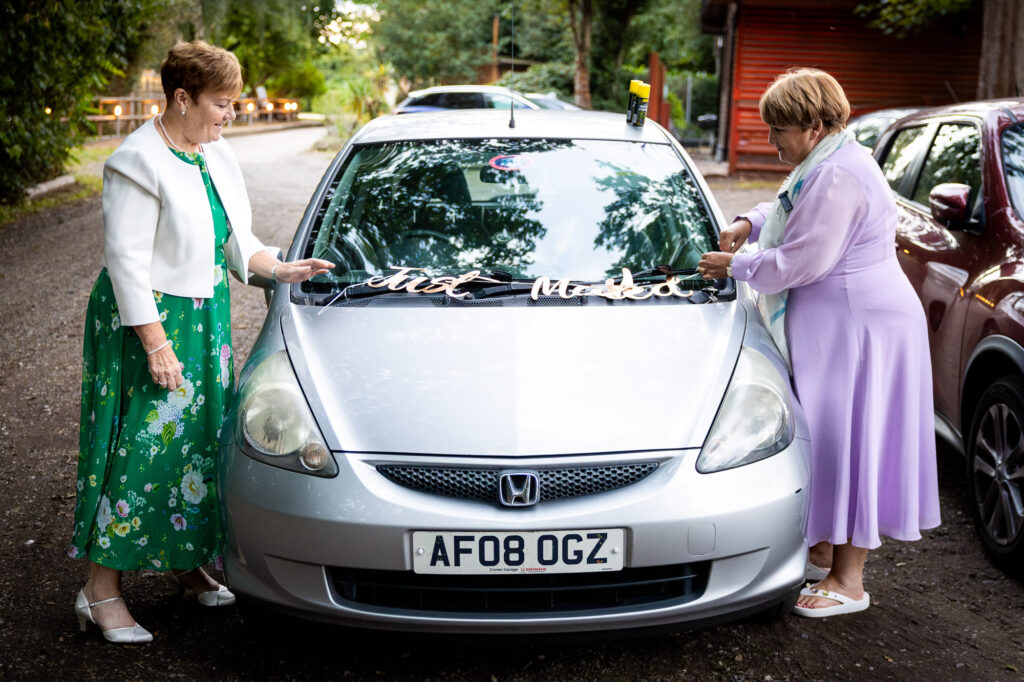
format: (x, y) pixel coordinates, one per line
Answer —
(157, 361)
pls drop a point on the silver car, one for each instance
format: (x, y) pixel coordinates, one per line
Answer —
(513, 407)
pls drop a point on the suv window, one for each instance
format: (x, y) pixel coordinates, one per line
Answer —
(1013, 165)
(955, 156)
(901, 155)
(493, 101)
(429, 101)
(462, 100)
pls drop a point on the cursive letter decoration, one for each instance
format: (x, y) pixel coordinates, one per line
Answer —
(403, 279)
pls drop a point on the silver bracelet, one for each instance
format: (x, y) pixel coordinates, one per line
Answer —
(273, 273)
(165, 343)
(728, 268)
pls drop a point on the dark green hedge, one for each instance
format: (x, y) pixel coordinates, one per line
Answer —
(55, 55)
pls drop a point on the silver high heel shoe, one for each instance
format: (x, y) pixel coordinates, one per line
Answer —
(222, 596)
(134, 634)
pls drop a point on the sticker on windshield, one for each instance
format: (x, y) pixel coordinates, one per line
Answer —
(510, 162)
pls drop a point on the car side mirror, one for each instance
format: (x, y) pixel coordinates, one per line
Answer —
(949, 204)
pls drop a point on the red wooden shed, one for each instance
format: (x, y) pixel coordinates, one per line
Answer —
(761, 39)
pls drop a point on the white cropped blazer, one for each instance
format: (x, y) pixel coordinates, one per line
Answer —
(158, 227)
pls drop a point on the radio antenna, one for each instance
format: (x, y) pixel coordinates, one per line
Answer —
(512, 95)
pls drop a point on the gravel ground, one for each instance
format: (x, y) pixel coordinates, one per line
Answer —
(940, 610)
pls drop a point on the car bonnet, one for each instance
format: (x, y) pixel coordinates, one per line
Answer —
(514, 381)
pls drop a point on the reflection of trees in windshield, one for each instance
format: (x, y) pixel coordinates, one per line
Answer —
(652, 221)
(410, 204)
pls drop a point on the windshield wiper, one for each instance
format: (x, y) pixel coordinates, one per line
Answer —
(360, 290)
(357, 291)
(662, 271)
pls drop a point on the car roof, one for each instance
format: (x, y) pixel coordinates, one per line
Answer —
(893, 113)
(493, 123)
(497, 89)
(982, 108)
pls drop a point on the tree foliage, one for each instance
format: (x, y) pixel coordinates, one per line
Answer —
(275, 41)
(612, 28)
(548, 77)
(902, 18)
(430, 43)
(54, 57)
(437, 42)
(363, 96)
(1001, 62)
(542, 31)
(672, 29)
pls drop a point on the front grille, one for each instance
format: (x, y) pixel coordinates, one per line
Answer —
(552, 301)
(482, 484)
(518, 594)
(350, 303)
(450, 302)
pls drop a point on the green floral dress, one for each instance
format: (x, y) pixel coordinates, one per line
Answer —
(147, 497)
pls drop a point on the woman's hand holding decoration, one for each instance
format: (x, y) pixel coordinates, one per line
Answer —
(300, 270)
(733, 237)
(715, 265)
(164, 367)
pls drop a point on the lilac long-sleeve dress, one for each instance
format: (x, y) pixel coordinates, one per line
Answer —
(859, 350)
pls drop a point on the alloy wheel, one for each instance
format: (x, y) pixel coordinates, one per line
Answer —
(996, 469)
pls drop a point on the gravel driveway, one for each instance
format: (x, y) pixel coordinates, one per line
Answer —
(940, 610)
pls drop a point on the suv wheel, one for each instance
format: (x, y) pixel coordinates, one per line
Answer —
(995, 468)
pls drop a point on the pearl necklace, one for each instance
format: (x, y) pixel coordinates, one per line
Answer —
(160, 122)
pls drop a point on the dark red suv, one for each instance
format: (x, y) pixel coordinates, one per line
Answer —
(958, 176)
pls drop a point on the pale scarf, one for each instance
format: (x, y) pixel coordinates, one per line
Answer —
(773, 306)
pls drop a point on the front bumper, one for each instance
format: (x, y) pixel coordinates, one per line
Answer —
(297, 542)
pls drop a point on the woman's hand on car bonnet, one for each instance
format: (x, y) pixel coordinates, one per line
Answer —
(300, 270)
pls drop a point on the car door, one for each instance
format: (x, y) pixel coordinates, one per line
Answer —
(940, 261)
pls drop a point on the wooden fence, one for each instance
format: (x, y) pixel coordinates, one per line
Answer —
(116, 116)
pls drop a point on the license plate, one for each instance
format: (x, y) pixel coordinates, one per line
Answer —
(555, 551)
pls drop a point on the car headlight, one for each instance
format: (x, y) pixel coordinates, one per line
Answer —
(755, 420)
(275, 425)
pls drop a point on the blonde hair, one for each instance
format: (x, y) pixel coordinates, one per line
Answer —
(198, 66)
(802, 97)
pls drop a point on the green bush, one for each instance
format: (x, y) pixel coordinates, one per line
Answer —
(55, 57)
(299, 81)
(543, 78)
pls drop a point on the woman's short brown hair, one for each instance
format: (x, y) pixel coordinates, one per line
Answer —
(198, 66)
(802, 97)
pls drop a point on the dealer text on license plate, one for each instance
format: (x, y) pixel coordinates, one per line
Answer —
(557, 551)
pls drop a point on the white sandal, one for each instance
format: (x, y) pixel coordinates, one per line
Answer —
(133, 634)
(845, 605)
(221, 596)
(815, 573)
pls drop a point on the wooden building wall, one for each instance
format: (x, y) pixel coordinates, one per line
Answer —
(876, 71)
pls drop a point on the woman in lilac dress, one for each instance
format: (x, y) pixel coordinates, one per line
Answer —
(852, 329)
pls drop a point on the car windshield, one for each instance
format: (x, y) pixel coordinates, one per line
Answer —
(1013, 165)
(524, 208)
(867, 129)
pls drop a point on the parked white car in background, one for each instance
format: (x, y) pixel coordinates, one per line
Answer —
(445, 97)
